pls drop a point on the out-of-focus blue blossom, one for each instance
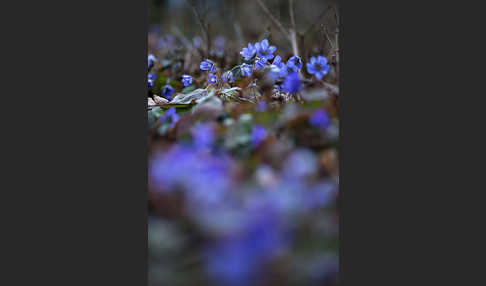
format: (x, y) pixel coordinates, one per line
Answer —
(278, 88)
(259, 64)
(212, 78)
(167, 91)
(228, 77)
(321, 270)
(203, 135)
(219, 44)
(150, 83)
(248, 52)
(166, 41)
(264, 50)
(261, 106)
(302, 163)
(258, 134)
(170, 115)
(320, 119)
(207, 65)
(318, 66)
(151, 76)
(239, 258)
(294, 63)
(186, 80)
(246, 70)
(154, 29)
(204, 177)
(197, 41)
(292, 83)
(151, 61)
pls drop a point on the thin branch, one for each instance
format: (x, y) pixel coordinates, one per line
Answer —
(202, 24)
(293, 31)
(323, 13)
(274, 20)
(291, 12)
(329, 39)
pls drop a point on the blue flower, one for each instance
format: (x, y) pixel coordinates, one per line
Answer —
(212, 78)
(151, 76)
(249, 52)
(167, 91)
(150, 83)
(318, 66)
(197, 41)
(219, 44)
(259, 64)
(246, 70)
(186, 79)
(239, 258)
(264, 50)
(262, 106)
(170, 115)
(258, 134)
(320, 119)
(202, 135)
(278, 68)
(294, 63)
(292, 83)
(228, 77)
(204, 177)
(207, 65)
(151, 60)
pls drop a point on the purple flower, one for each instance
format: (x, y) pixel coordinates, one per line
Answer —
(207, 65)
(170, 115)
(294, 63)
(249, 52)
(202, 135)
(246, 70)
(292, 83)
(258, 134)
(212, 78)
(264, 50)
(259, 64)
(167, 91)
(318, 66)
(151, 60)
(320, 119)
(228, 77)
(150, 83)
(186, 80)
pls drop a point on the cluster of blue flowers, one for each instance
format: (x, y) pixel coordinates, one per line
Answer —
(257, 57)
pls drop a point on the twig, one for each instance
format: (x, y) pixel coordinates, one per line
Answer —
(274, 20)
(291, 12)
(293, 31)
(323, 13)
(202, 24)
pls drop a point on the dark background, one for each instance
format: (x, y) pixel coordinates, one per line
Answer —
(243, 21)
